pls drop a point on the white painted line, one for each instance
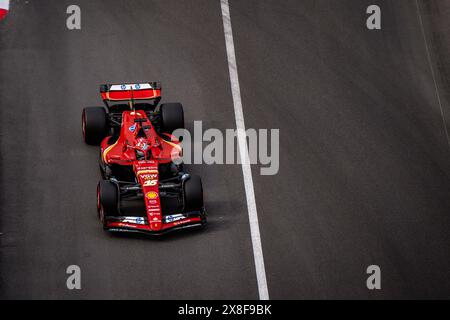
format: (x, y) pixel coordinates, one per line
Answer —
(244, 156)
(430, 63)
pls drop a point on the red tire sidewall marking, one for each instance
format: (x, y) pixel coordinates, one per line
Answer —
(83, 125)
(99, 206)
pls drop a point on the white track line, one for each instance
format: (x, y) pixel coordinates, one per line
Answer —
(432, 72)
(244, 156)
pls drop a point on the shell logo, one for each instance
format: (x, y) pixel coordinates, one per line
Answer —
(4, 7)
(151, 195)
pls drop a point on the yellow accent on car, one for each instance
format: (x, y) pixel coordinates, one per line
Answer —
(107, 150)
(146, 171)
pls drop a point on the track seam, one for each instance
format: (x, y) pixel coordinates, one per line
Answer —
(433, 74)
(244, 155)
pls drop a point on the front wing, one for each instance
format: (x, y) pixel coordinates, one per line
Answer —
(194, 219)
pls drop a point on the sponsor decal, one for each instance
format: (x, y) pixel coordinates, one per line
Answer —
(150, 183)
(151, 195)
(130, 86)
(136, 220)
(148, 176)
(139, 172)
(174, 217)
(139, 220)
(132, 128)
(176, 223)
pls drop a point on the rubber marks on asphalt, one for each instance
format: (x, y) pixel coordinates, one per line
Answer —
(4, 8)
(433, 74)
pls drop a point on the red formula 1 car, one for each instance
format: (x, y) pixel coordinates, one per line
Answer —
(144, 186)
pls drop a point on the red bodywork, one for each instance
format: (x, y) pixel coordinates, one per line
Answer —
(147, 173)
(123, 95)
(157, 150)
(122, 152)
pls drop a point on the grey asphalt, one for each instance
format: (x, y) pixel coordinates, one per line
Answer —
(364, 161)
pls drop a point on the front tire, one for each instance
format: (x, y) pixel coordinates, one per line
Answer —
(193, 194)
(107, 200)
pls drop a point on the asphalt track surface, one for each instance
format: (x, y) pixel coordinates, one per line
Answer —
(364, 173)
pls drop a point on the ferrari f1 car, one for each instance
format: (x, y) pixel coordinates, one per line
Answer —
(144, 187)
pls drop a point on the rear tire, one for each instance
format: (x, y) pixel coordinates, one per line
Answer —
(94, 125)
(193, 194)
(172, 117)
(107, 199)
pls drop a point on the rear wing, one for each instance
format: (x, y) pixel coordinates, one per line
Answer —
(130, 91)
